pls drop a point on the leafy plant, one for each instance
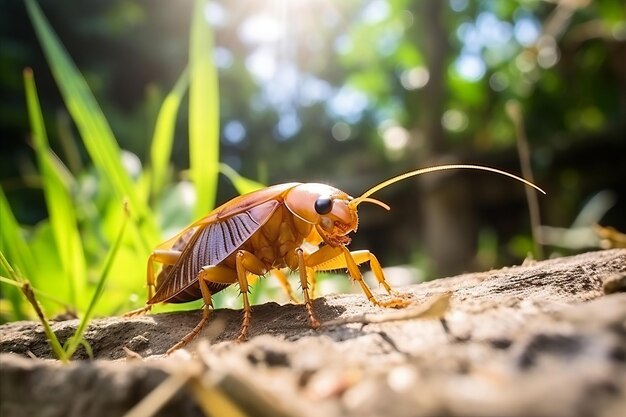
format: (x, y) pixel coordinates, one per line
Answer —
(63, 254)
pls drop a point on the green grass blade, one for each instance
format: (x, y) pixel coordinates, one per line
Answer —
(77, 337)
(13, 245)
(14, 282)
(163, 137)
(243, 185)
(58, 198)
(203, 112)
(90, 121)
(12, 241)
(11, 293)
(29, 293)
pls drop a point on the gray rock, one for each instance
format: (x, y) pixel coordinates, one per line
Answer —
(546, 339)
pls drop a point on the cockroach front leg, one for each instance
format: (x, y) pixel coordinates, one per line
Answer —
(165, 257)
(362, 256)
(329, 258)
(354, 272)
(304, 282)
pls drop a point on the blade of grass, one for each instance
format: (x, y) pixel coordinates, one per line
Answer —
(4, 263)
(91, 123)
(12, 241)
(163, 137)
(243, 185)
(27, 289)
(52, 337)
(77, 337)
(37, 292)
(203, 112)
(13, 244)
(58, 198)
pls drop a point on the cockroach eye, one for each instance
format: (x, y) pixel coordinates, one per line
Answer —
(323, 205)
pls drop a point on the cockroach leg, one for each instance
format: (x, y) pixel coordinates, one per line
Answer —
(362, 256)
(329, 258)
(355, 274)
(139, 311)
(208, 306)
(247, 262)
(302, 270)
(165, 257)
(311, 277)
(284, 282)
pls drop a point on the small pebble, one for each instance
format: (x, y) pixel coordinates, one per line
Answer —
(614, 283)
(402, 378)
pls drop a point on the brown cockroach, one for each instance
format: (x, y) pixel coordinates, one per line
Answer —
(266, 230)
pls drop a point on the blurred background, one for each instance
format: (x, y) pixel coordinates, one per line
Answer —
(348, 93)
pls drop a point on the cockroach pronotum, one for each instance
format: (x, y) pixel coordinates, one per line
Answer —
(267, 230)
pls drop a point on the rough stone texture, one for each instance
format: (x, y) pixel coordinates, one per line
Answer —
(544, 339)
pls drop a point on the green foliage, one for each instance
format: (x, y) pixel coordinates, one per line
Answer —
(65, 352)
(63, 254)
(163, 138)
(56, 187)
(92, 124)
(203, 125)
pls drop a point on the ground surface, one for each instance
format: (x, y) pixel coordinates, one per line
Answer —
(545, 339)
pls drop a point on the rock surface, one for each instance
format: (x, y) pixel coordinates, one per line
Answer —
(545, 339)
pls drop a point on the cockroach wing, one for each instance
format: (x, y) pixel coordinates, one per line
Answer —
(210, 245)
(232, 207)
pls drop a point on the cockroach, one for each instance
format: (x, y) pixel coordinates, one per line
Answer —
(267, 230)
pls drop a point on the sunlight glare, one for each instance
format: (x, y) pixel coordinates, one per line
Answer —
(261, 28)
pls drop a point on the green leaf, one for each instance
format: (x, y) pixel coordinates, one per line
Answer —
(58, 198)
(13, 245)
(203, 112)
(242, 184)
(90, 121)
(163, 137)
(11, 293)
(12, 241)
(77, 337)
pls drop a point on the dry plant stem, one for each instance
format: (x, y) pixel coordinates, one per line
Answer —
(556, 24)
(212, 401)
(236, 387)
(252, 401)
(515, 113)
(434, 308)
(52, 338)
(153, 402)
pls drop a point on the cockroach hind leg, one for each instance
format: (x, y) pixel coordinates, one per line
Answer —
(193, 333)
(138, 312)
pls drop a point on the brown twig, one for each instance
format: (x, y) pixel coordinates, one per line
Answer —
(229, 382)
(514, 112)
(153, 402)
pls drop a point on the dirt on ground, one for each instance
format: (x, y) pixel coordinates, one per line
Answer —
(542, 339)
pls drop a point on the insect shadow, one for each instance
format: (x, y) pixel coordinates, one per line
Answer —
(284, 320)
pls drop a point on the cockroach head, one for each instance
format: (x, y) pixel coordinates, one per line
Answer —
(326, 207)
